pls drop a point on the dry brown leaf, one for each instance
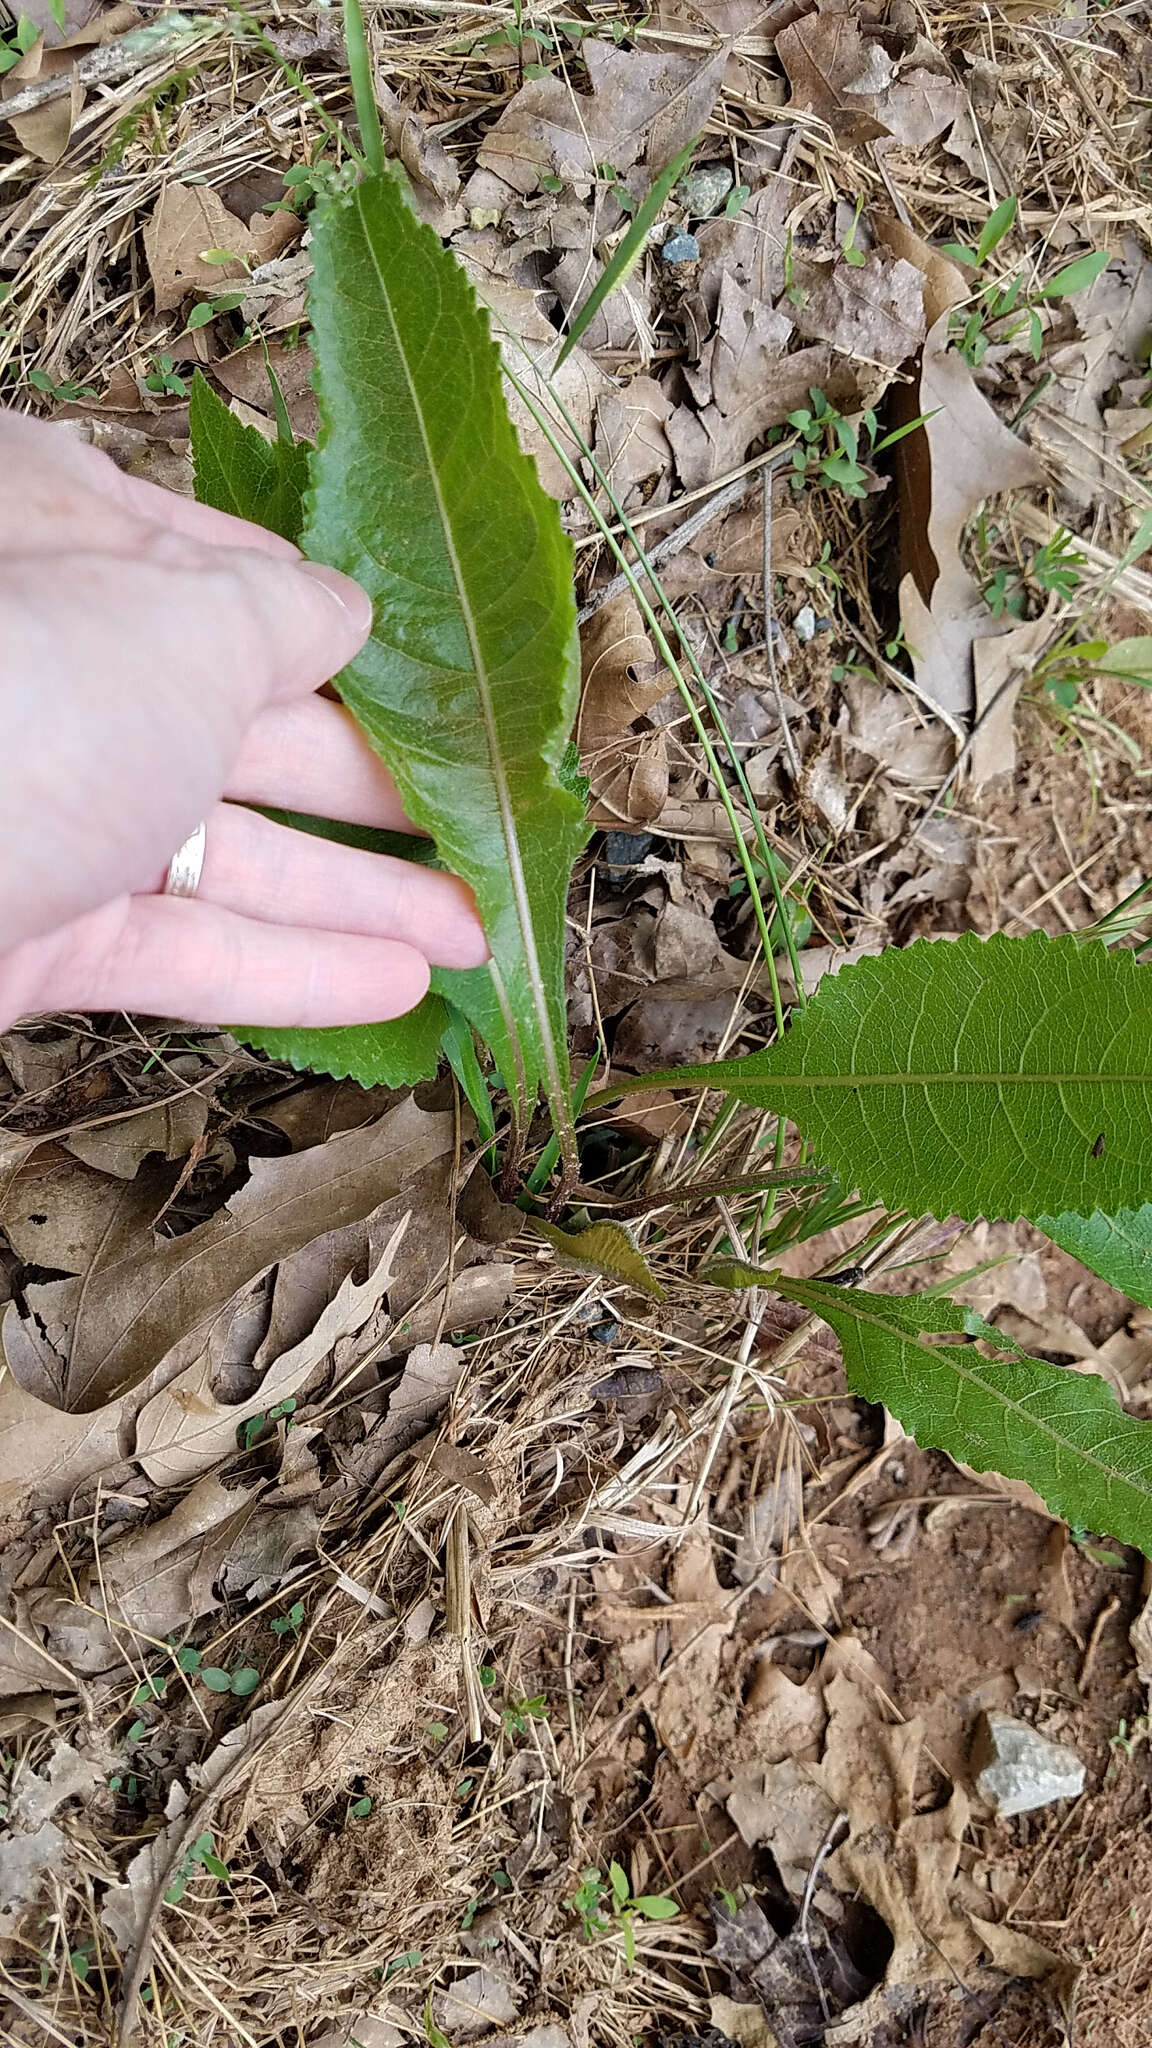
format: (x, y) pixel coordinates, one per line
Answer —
(631, 445)
(47, 130)
(850, 80)
(1114, 322)
(1001, 665)
(150, 1584)
(39, 1059)
(186, 221)
(873, 313)
(903, 1862)
(704, 1619)
(750, 248)
(244, 375)
(627, 769)
(530, 344)
(961, 456)
(426, 1385)
(945, 285)
(423, 155)
(121, 1147)
(885, 725)
(97, 1335)
(184, 1429)
(640, 103)
(782, 1808)
(743, 351)
(56, 1214)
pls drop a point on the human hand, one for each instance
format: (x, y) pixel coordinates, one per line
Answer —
(157, 657)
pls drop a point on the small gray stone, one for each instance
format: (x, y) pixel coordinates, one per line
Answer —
(704, 191)
(681, 249)
(1018, 1770)
(804, 624)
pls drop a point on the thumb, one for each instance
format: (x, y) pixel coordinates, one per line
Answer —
(290, 625)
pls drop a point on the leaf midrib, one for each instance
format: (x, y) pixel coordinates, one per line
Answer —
(503, 794)
(1111, 1474)
(935, 1079)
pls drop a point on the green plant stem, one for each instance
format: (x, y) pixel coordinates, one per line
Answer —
(363, 88)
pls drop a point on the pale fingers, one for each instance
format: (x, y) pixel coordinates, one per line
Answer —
(266, 871)
(311, 756)
(196, 961)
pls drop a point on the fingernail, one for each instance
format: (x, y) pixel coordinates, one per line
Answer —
(353, 601)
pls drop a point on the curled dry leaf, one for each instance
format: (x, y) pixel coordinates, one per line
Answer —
(142, 1303)
(120, 1147)
(1001, 665)
(627, 769)
(151, 1583)
(640, 104)
(606, 1249)
(962, 455)
(184, 1428)
(852, 80)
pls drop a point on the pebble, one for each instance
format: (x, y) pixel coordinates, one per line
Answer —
(704, 191)
(804, 624)
(626, 849)
(1018, 1770)
(681, 249)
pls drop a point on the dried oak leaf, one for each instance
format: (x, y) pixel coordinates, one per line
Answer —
(867, 86)
(962, 455)
(640, 103)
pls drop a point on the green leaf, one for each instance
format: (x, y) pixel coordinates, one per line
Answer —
(1064, 1433)
(985, 1077)
(618, 1879)
(199, 317)
(628, 251)
(1076, 277)
(1131, 658)
(1118, 1248)
(468, 686)
(238, 471)
(215, 1679)
(996, 227)
(605, 1248)
(654, 1907)
(244, 1681)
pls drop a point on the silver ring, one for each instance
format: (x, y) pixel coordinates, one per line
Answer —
(186, 865)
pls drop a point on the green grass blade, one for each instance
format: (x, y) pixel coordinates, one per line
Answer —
(629, 251)
(985, 1077)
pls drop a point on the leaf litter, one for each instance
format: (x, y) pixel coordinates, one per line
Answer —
(786, 1651)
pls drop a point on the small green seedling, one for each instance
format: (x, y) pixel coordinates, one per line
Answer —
(518, 1713)
(23, 38)
(593, 1896)
(201, 1856)
(165, 379)
(209, 308)
(249, 1432)
(1054, 569)
(830, 445)
(240, 1682)
(996, 302)
(66, 392)
(359, 1809)
(291, 1623)
(851, 253)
